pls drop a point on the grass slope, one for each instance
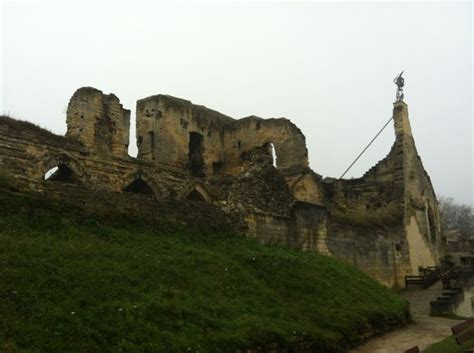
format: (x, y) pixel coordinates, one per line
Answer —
(75, 283)
(449, 345)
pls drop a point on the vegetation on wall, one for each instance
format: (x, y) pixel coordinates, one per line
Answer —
(22, 126)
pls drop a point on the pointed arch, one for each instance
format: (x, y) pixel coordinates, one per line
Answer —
(139, 186)
(62, 168)
(197, 192)
(139, 183)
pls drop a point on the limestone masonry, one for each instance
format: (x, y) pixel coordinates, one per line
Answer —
(197, 165)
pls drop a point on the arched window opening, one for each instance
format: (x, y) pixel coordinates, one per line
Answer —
(274, 156)
(195, 154)
(139, 186)
(196, 196)
(61, 173)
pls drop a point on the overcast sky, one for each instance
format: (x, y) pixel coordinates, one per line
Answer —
(326, 66)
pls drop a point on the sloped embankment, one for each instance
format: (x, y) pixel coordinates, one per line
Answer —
(76, 282)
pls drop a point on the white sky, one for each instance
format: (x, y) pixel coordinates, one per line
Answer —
(326, 66)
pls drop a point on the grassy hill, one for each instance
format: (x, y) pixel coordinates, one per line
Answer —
(76, 282)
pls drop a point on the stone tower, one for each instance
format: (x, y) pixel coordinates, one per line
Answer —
(99, 122)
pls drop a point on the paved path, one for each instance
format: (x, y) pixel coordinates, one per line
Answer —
(423, 333)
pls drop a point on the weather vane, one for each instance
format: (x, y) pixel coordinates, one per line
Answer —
(400, 82)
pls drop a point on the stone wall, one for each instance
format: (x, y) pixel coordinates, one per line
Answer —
(387, 222)
(137, 206)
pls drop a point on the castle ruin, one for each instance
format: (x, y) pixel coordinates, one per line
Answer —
(387, 222)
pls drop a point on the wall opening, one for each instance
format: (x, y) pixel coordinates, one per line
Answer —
(139, 186)
(196, 196)
(195, 154)
(216, 167)
(151, 135)
(61, 173)
(103, 133)
(274, 156)
(431, 223)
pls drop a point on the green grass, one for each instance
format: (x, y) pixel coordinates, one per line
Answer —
(75, 282)
(22, 126)
(447, 345)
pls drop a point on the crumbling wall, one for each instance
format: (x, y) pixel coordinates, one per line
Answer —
(305, 228)
(165, 125)
(99, 122)
(174, 131)
(365, 226)
(253, 132)
(307, 186)
(268, 210)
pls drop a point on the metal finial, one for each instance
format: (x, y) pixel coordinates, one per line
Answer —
(400, 82)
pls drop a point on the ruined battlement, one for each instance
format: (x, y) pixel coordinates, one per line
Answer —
(387, 222)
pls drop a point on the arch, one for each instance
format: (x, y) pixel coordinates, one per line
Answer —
(139, 186)
(68, 169)
(61, 173)
(197, 192)
(140, 183)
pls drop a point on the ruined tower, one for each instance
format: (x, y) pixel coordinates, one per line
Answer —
(99, 122)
